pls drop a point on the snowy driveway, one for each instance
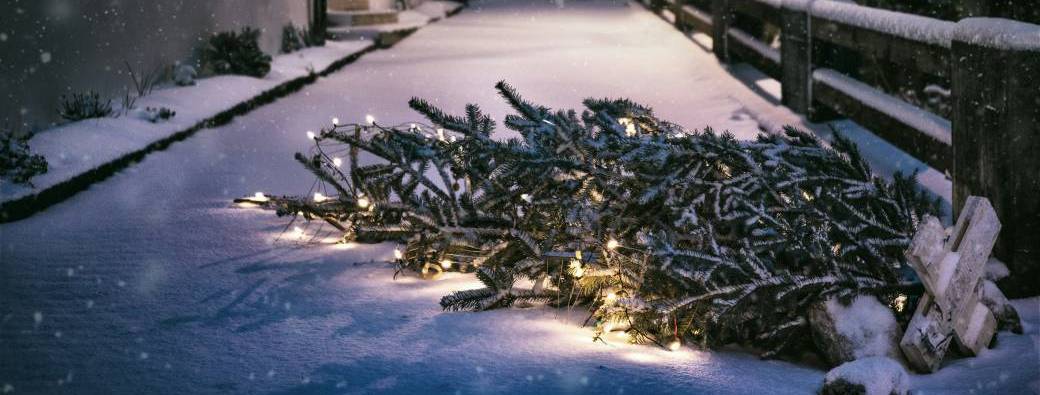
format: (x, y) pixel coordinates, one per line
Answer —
(151, 283)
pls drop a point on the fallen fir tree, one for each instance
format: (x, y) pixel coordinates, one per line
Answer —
(670, 235)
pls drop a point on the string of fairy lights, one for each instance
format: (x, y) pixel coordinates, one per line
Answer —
(337, 155)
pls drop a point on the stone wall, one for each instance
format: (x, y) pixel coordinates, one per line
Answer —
(50, 47)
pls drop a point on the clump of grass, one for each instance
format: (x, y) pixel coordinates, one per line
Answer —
(78, 106)
(236, 53)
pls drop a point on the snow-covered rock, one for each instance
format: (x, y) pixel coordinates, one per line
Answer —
(996, 270)
(864, 328)
(1003, 311)
(869, 376)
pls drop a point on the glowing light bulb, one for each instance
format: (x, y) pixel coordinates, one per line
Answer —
(335, 121)
(612, 244)
(337, 162)
(611, 297)
(318, 197)
(446, 264)
(363, 202)
(900, 303)
(398, 254)
(576, 270)
(259, 196)
(630, 127)
(675, 345)
(440, 134)
(311, 135)
(525, 197)
(577, 254)
(369, 119)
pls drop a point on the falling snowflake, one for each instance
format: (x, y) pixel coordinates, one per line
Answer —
(45, 57)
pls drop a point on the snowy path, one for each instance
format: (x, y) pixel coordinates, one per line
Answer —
(151, 283)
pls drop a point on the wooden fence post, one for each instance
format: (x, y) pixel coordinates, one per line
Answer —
(996, 135)
(319, 21)
(796, 55)
(721, 18)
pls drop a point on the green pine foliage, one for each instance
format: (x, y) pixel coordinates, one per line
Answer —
(236, 53)
(18, 165)
(661, 232)
(296, 38)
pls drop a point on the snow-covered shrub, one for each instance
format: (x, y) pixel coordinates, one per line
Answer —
(184, 75)
(295, 38)
(236, 53)
(17, 162)
(87, 105)
(867, 376)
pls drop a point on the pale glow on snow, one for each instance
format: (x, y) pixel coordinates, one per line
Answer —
(350, 245)
(675, 345)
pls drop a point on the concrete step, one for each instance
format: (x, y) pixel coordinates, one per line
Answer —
(362, 18)
(348, 5)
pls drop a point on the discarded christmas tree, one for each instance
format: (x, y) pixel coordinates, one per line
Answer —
(670, 235)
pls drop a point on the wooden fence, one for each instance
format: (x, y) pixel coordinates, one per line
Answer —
(991, 146)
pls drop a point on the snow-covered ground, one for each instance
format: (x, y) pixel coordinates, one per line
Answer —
(151, 282)
(77, 147)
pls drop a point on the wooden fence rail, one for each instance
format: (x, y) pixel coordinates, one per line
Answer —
(991, 146)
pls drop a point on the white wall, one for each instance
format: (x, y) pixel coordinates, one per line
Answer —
(50, 47)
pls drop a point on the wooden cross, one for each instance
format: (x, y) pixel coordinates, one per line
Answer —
(951, 270)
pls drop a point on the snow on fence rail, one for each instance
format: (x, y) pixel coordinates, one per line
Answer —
(990, 144)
